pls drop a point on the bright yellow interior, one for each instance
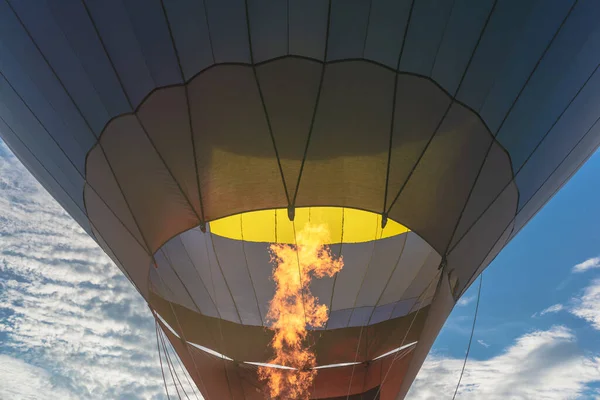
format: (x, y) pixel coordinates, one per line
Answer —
(346, 225)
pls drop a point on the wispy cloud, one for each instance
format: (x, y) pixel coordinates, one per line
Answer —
(550, 310)
(587, 306)
(539, 365)
(64, 307)
(484, 344)
(590, 263)
(465, 300)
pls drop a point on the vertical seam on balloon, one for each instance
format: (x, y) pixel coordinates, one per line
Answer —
(405, 235)
(288, 27)
(364, 47)
(362, 327)
(337, 273)
(394, 99)
(225, 278)
(82, 116)
(439, 46)
(137, 117)
(511, 108)
(80, 63)
(212, 50)
(264, 105)
(189, 110)
(128, 14)
(533, 195)
(248, 269)
(316, 107)
(365, 273)
(187, 253)
(452, 101)
(219, 319)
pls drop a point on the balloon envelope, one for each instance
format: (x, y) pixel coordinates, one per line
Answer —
(188, 136)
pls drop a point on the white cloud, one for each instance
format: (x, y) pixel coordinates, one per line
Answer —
(590, 263)
(64, 307)
(27, 382)
(588, 305)
(465, 300)
(484, 344)
(552, 309)
(543, 365)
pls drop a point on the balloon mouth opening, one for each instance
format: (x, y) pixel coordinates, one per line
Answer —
(345, 225)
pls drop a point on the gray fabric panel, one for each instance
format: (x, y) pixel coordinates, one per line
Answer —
(190, 32)
(50, 37)
(338, 319)
(268, 28)
(494, 52)
(360, 316)
(465, 25)
(554, 181)
(308, 28)
(260, 267)
(385, 258)
(74, 22)
(118, 35)
(224, 143)
(439, 311)
(420, 106)
(158, 205)
(423, 279)
(573, 56)
(199, 248)
(424, 36)
(347, 284)
(35, 98)
(333, 173)
(166, 120)
(433, 198)
(475, 245)
(416, 252)
(151, 31)
(382, 313)
(236, 272)
(228, 30)
(495, 175)
(290, 88)
(174, 255)
(169, 284)
(123, 246)
(576, 122)
(403, 307)
(101, 178)
(347, 29)
(535, 36)
(386, 31)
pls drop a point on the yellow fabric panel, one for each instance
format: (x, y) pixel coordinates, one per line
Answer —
(346, 225)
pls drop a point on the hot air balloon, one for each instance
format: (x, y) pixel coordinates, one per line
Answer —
(189, 137)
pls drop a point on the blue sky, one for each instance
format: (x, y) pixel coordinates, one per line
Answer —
(71, 326)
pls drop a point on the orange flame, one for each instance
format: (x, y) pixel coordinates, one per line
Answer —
(293, 308)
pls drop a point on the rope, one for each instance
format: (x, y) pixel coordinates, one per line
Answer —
(470, 338)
